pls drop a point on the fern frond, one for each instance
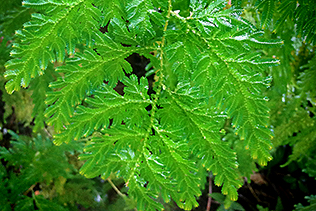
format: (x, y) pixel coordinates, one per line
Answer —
(246, 164)
(286, 8)
(201, 123)
(208, 67)
(308, 78)
(243, 104)
(108, 104)
(46, 36)
(139, 19)
(300, 13)
(110, 9)
(304, 144)
(40, 89)
(297, 119)
(268, 8)
(110, 153)
(184, 182)
(86, 67)
(312, 204)
(305, 20)
(13, 19)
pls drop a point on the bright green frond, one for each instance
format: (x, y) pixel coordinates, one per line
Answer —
(229, 72)
(45, 38)
(174, 156)
(110, 9)
(91, 67)
(203, 126)
(106, 104)
(139, 19)
(268, 8)
(143, 197)
(162, 133)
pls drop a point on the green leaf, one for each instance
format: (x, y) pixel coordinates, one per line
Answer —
(45, 38)
(138, 19)
(106, 104)
(268, 8)
(160, 134)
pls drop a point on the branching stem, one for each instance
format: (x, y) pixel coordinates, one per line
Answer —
(115, 188)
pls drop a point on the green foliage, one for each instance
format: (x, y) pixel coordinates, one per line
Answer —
(19, 103)
(4, 51)
(12, 16)
(292, 93)
(38, 161)
(312, 200)
(301, 12)
(294, 117)
(268, 9)
(38, 175)
(40, 88)
(161, 137)
(234, 206)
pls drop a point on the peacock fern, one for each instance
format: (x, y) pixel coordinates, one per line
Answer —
(208, 68)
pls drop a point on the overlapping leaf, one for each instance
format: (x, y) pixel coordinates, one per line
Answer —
(45, 38)
(84, 74)
(268, 7)
(207, 68)
(139, 19)
(40, 89)
(191, 113)
(107, 104)
(229, 72)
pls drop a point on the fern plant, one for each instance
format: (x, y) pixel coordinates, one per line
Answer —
(35, 174)
(38, 162)
(161, 137)
(311, 199)
(301, 12)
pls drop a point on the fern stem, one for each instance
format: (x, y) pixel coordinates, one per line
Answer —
(115, 188)
(160, 76)
(30, 189)
(118, 191)
(167, 22)
(209, 201)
